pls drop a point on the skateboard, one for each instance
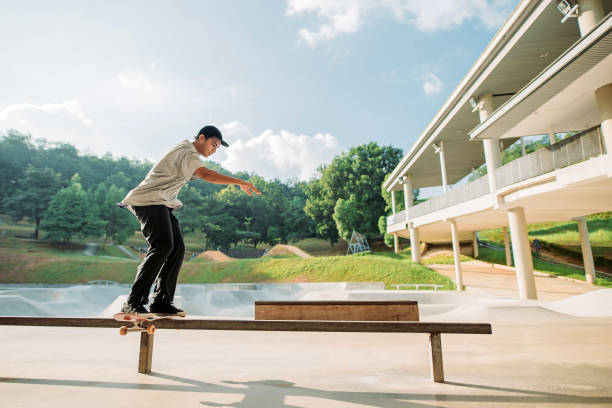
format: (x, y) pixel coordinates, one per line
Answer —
(139, 322)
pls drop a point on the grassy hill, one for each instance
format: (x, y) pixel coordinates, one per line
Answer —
(42, 262)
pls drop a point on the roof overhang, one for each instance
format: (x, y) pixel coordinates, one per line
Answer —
(562, 97)
(530, 41)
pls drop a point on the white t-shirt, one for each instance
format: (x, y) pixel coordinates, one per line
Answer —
(164, 181)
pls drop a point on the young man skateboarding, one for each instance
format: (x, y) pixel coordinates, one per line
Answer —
(153, 202)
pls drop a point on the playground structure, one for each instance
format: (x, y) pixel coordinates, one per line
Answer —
(357, 244)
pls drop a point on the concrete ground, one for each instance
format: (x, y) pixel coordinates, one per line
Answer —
(500, 281)
(535, 357)
(541, 354)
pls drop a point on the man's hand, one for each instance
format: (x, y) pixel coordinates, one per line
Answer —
(248, 187)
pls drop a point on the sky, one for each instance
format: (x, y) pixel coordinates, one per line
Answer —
(290, 83)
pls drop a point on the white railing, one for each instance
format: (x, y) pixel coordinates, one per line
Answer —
(569, 151)
(397, 218)
(461, 194)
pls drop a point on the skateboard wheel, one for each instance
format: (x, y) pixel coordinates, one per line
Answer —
(151, 329)
(123, 330)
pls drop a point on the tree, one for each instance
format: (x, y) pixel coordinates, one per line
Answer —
(32, 196)
(16, 151)
(70, 214)
(346, 216)
(360, 172)
(118, 223)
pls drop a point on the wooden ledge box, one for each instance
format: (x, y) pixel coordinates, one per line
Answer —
(405, 310)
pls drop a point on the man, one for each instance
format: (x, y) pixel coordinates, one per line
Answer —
(153, 202)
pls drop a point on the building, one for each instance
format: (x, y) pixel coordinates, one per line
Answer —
(548, 70)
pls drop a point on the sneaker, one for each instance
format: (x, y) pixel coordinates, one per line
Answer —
(166, 309)
(139, 310)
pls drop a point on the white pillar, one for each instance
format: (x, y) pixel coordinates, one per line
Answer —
(443, 167)
(457, 255)
(491, 146)
(393, 201)
(604, 105)
(587, 253)
(551, 136)
(522, 147)
(522, 253)
(395, 242)
(475, 243)
(507, 247)
(408, 196)
(415, 249)
(590, 13)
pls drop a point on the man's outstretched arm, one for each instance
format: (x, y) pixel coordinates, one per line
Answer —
(218, 178)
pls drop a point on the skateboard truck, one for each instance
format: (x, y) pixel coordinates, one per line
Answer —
(138, 327)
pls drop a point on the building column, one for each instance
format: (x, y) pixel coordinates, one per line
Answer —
(475, 243)
(491, 146)
(507, 247)
(587, 253)
(522, 253)
(522, 147)
(457, 255)
(396, 243)
(590, 13)
(551, 136)
(443, 167)
(604, 104)
(393, 202)
(415, 248)
(408, 197)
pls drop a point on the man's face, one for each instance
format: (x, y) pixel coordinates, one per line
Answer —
(210, 146)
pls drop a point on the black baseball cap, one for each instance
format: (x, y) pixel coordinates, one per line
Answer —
(211, 131)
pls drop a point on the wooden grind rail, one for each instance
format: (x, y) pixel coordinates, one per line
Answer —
(146, 340)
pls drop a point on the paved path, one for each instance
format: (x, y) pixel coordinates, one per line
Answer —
(128, 252)
(531, 364)
(90, 249)
(500, 281)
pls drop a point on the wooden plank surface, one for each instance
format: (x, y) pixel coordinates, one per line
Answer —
(337, 310)
(336, 302)
(260, 325)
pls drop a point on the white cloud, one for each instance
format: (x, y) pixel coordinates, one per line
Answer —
(134, 79)
(346, 16)
(431, 84)
(65, 121)
(340, 16)
(282, 155)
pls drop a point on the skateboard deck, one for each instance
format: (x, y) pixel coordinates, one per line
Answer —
(139, 322)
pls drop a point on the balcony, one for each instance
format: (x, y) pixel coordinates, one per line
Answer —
(572, 150)
(568, 151)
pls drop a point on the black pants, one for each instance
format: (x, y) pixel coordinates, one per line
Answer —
(164, 255)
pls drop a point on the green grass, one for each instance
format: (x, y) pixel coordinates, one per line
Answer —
(566, 234)
(320, 247)
(41, 262)
(113, 250)
(498, 256)
(355, 268)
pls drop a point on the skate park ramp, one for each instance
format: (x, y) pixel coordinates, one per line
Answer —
(596, 303)
(237, 300)
(281, 249)
(214, 256)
